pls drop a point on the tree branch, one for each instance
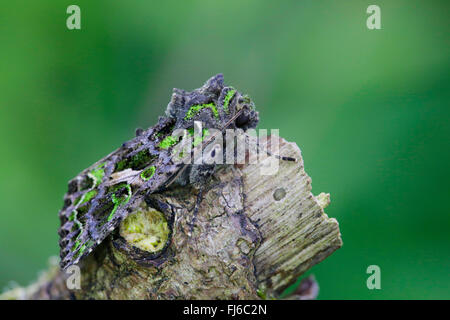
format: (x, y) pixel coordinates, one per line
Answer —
(254, 235)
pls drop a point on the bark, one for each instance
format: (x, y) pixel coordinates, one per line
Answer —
(253, 236)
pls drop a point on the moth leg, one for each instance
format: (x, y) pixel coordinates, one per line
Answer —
(198, 178)
(200, 174)
(196, 208)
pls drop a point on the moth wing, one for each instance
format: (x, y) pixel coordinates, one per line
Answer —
(99, 198)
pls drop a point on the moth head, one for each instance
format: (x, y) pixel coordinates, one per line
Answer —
(248, 117)
(215, 105)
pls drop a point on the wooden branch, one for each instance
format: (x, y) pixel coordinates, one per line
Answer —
(253, 236)
(296, 232)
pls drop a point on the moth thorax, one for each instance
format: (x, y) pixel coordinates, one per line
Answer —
(146, 229)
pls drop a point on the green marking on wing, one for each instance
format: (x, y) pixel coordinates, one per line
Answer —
(195, 109)
(197, 139)
(80, 252)
(97, 174)
(77, 200)
(73, 217)
(148, 173)
(137, 162)
(86, 197)
(77, 244)
(89, 195)
(168, 142)
(121, 165)
(118, 201)
(226, 100)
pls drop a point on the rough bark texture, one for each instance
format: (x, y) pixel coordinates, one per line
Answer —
(253, 236)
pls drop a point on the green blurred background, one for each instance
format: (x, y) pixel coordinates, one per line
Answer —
(368, 108)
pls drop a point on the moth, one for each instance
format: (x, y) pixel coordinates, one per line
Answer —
(101, 196)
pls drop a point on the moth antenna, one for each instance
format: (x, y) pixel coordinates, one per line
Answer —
(270, 154)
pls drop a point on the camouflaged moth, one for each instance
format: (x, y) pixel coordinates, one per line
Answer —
(101, 196)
